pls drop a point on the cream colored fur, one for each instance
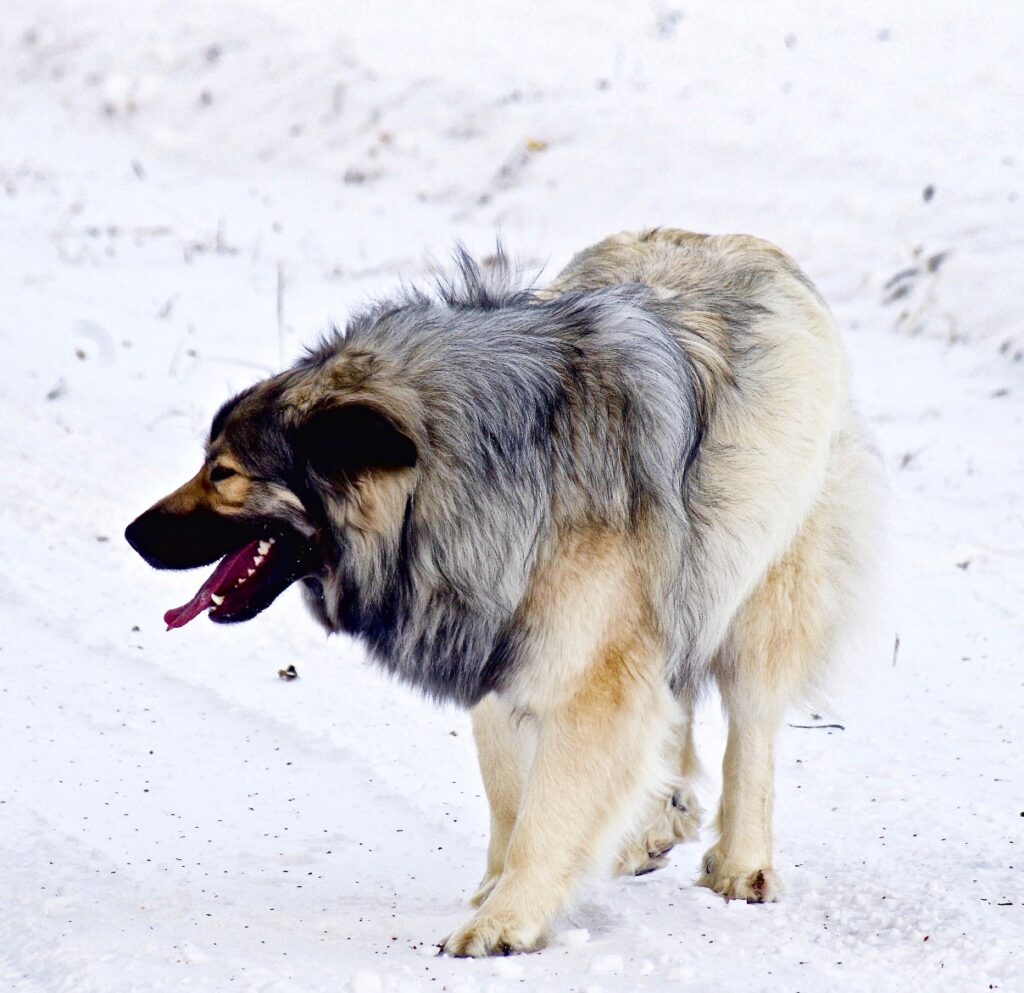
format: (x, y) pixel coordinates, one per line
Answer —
(577, 749)
(581, 759)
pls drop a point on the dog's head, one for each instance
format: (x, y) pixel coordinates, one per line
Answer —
(292, 465)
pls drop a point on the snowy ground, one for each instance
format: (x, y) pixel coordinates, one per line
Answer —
(188, 193)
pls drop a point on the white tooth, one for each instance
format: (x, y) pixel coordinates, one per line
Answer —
(265, 546)
(218, 600)
(240, 581)
(257, 559)
(272, 540)
(251, 571)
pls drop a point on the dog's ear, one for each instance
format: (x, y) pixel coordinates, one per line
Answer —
(341, 441)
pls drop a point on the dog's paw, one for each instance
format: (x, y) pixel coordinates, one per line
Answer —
(676, 819)
(735, 883)
(492, 934)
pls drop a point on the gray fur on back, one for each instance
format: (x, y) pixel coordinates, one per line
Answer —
(534, 418)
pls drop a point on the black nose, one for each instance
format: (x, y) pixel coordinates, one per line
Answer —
(151, 537)
(133, 534)
(184, 541)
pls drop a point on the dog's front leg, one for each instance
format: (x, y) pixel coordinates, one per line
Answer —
(599, 756)
(504, 746)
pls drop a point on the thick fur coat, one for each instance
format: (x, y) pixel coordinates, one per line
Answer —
(570, 509)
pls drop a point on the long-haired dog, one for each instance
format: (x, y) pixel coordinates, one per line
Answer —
(568, 509)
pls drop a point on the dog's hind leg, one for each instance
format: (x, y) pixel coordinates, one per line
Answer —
(675, 816)
(777, 640)
(599, 756)
(504, 745)
(739, 866)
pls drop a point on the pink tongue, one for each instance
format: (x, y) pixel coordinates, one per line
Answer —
(231, 568)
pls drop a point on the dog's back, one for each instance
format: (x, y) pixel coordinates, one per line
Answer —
(779, 435)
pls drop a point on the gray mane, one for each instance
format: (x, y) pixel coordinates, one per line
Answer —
(536, 418)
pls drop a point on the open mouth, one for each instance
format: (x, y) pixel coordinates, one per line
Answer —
(247, 581)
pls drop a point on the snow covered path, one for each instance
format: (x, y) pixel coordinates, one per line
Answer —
(175, 816)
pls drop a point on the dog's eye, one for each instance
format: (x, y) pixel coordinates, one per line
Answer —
(221, 472)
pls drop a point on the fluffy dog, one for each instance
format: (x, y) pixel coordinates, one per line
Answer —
(569, 509)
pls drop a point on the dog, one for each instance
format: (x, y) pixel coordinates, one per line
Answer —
(569, 509)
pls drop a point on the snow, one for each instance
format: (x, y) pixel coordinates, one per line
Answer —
(190, 192)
